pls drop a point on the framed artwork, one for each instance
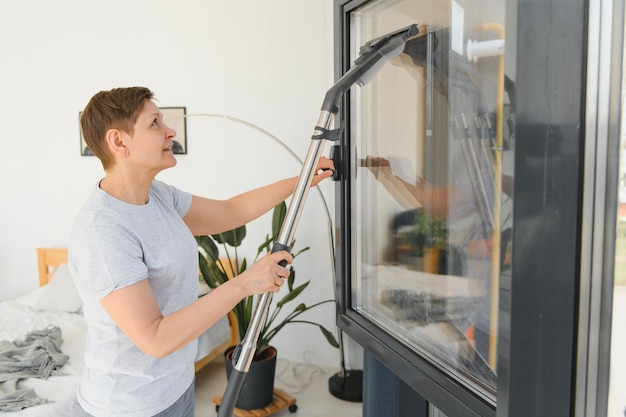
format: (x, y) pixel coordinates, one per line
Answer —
(174, 117)
(84, 149)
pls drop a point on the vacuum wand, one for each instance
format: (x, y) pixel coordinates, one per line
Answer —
(372, 53)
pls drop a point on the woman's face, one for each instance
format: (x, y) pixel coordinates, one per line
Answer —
(151, 143)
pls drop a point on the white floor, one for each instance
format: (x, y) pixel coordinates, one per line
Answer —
(307, 383)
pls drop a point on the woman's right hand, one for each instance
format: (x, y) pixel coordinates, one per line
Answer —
(265, 275)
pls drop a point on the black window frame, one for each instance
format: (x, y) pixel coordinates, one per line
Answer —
(538, 301)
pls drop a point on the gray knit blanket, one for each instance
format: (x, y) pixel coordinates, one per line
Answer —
(39, 355)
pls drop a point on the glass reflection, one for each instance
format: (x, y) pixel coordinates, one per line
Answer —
(431, 198)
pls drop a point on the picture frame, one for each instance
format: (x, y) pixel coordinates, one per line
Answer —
(176, 118)
(173, 117)
(84, 149)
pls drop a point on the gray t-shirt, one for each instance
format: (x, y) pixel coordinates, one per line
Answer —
(113, 245)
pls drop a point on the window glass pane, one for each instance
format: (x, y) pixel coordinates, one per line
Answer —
(431, 198)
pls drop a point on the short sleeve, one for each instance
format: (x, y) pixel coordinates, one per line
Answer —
(113, 259)
(181, 200)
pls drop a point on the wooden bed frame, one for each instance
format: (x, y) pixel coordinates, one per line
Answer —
(48, 260)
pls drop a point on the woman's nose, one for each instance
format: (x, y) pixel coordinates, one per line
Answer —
(170, 133)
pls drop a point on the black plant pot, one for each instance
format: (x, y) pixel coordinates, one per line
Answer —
(257, 390)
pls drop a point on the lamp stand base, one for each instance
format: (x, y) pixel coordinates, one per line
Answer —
(348, 387)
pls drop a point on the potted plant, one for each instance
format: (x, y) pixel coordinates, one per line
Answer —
(427, 241)
(215, 269)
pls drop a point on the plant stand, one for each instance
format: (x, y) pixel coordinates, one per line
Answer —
(280, 401)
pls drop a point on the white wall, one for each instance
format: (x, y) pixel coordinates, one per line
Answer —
(268, 62)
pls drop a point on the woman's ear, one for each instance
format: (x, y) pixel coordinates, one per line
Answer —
(116, 142)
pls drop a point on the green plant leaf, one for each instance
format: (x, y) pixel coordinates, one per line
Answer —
(301, 251)
(232, 237)
(329, 337)
(210, 268)
(217, 275)
(266, 246)
(291, 279)
(278, 217)
(204, 270)
(209, 247)
(292, 294)
(210, 272)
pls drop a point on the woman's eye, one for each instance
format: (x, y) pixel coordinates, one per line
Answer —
(155, 122)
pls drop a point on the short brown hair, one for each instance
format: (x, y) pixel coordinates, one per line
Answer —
(118, 108)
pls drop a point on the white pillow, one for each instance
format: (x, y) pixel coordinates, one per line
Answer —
(60, 293)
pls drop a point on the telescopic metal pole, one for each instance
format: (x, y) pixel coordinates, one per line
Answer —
(244, 352)
(366, 65)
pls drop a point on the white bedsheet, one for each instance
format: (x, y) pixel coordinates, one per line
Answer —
(17, 319)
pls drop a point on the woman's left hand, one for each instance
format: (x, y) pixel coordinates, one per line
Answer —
(325, 169)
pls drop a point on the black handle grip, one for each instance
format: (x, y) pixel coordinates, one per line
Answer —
(277, 248)
(335, 155)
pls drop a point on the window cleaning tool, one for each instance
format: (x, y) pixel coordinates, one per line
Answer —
(372, 56)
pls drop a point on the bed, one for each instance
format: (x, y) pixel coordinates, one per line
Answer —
(56, 303)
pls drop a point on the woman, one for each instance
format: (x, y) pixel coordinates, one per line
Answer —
(135, 262)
